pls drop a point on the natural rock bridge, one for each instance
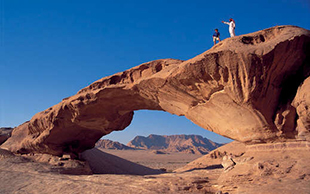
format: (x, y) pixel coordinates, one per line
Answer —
(243, 88)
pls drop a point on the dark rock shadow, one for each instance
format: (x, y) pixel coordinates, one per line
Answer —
(211, 167)
(5, 133)
(104, 163)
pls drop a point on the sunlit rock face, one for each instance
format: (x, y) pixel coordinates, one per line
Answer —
(242, 88)
(302, 105)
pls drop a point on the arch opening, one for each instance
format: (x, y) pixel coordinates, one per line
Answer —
(161, 141)
(147, 122)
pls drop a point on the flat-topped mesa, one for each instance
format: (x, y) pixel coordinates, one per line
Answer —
(242, 88)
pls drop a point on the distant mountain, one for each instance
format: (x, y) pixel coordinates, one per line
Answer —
(108, 144)
(195, 144)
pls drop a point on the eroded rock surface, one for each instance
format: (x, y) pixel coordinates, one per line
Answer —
(302, 105)
(258, 168)
(242, 88)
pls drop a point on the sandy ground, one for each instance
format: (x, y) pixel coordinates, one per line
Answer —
(168, 161)
(22, 175)
(258, 169)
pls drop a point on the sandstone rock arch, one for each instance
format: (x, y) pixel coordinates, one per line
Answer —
(242, 88)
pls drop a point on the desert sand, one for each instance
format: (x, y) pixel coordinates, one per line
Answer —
(156, 160)
(257, 169)
(21, 174)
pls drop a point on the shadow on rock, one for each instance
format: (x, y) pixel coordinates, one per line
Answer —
(104, 163)
(211, 167)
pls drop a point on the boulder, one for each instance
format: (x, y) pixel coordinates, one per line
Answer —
(242, 88)
(228, 163)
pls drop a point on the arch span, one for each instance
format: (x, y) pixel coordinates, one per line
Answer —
(233, 89)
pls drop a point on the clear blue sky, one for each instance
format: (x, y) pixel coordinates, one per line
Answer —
(51, 49)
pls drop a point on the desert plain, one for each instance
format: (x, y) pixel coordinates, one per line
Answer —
(256, 170)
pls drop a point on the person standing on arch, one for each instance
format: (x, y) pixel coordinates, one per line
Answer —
(232, 26)
(216, 36)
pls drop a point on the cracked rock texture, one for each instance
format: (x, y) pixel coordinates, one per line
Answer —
(242, 88)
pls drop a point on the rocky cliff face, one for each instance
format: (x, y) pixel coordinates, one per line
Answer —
(301, 103)
(194, 144)
(242, 88)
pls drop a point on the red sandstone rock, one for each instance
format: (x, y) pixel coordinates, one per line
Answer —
(242, 88)
(302, 105)
(215, 158)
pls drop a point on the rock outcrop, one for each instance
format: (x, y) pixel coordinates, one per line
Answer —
(215, 158)
(272, 166)
(302, 105)
(193, 144)
(242, 88)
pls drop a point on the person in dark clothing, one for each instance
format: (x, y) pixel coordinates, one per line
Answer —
(216, 36)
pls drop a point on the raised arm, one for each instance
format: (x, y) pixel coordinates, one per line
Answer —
(225, 22)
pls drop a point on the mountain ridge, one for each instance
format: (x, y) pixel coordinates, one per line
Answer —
(195, 144)
(109, 144)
